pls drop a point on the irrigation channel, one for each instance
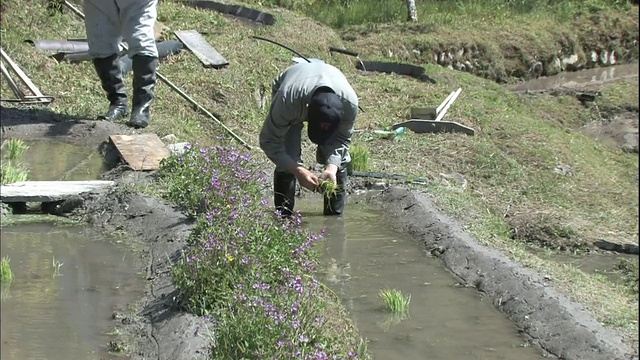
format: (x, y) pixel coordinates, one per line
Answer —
(69, 280)
(363, 254)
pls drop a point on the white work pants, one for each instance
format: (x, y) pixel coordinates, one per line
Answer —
(109, 22)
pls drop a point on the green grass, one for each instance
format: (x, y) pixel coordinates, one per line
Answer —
(6, 275)
(56, 264)
(395, 301)
(11, 170)
(508, 164)
(341, 14)
(12, 173)
(14, 149)
(628, 268)
(360, 157)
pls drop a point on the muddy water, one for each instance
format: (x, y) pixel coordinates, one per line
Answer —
(49, 315)
(363, 254)
(604, 264)
(57, 160)
(579, 79)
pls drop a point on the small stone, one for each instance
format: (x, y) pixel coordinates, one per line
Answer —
(563, 169)
(553, 67)
(169, 139)
(460, 53)
(570, 61)
(612, 57)
(536, 69)
(379, 186)
(5, 209)
(468, 65)
(594, 57)
(604, 57)
(178, 148)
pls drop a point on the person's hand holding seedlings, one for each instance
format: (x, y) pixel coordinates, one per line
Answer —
(306, 178)
(330, 173)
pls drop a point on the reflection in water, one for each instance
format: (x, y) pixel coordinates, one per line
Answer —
(579, 78)
(53, 316)
(363, 254)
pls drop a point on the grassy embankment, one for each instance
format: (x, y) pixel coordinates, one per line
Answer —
(509, 164)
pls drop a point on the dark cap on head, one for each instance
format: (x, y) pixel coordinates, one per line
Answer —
(324, 113)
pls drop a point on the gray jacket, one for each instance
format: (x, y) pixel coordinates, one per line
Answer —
(290, 95)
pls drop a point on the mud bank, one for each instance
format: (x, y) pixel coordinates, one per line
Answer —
(546, 318)
(506, 56)
(158, 328)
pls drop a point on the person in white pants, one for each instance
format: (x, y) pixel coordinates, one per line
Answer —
(108, 23)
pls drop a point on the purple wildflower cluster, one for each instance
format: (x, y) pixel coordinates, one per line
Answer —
(244, 265)
(290, 314)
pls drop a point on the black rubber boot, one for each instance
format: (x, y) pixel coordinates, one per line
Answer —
(334, 205)
(144, 83)
(110, 75)
(284, 192)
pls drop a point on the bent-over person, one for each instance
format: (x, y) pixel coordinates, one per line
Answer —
(319, 94)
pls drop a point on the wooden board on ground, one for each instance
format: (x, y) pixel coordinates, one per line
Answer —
(49, 191)
(141, 151)
(424, 113)
(198, 45)
(433, 126)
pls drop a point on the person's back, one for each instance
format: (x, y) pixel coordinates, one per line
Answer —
(300, 80)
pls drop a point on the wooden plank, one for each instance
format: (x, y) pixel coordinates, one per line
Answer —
(141, 151)
(49, 191)
(450, 102)
(195, 42)
(433, 126)
(34, 89)
(423, 113)
(12, 84)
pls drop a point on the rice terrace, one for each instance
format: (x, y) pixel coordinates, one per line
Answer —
(492, 188)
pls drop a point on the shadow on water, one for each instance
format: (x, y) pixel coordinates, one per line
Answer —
(58, 160)
(66, 313)
(363, 254)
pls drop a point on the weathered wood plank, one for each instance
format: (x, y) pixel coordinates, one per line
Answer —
(423, 113)
(141, 151)
(433, 126)
(195, 42)
(49, 191)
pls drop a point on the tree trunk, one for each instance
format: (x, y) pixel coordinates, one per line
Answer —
(413, 11)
